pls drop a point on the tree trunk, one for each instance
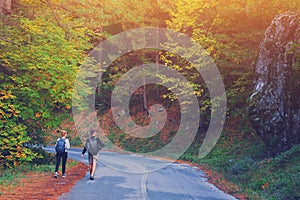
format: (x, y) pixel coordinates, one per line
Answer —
(5, 7)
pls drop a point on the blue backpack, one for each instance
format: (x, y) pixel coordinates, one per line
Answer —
(60, 146)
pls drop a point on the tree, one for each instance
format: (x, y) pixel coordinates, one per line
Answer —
(42, 47)
(5, 6)
(40, 55)
(13, 135)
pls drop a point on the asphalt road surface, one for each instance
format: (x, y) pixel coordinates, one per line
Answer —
(134, 177)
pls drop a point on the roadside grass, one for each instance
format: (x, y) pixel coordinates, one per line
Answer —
(260, 178)
(275, 178)
(12, 177)
(241, 158)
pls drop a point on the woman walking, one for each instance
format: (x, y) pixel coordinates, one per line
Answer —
(61, 148)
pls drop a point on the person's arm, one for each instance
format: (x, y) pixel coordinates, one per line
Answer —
(68, 144)
(84, 148)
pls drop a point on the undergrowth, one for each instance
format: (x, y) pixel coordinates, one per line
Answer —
(241, 157)
(11, 177)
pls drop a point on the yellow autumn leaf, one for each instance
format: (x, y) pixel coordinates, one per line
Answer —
(68, 107)
(38, 115)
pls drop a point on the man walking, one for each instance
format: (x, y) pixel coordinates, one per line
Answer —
(93, 145)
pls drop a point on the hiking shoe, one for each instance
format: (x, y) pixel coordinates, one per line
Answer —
(64, 175)
(55, 175)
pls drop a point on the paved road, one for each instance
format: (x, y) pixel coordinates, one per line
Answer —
(134, 177)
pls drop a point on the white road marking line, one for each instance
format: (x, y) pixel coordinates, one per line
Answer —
(144, 187)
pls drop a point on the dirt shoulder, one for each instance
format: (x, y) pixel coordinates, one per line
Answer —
(44, 186)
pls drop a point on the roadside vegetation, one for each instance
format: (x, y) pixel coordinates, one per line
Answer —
(241, 158)
(13, 177)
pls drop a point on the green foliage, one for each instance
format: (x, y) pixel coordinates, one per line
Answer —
(39, 57)
(276, 178)
(44, 66)
(112, 137)
(43, 43)
(295, 52)
(76, 142)
(241, 157)
(13, 137)
(44, 157)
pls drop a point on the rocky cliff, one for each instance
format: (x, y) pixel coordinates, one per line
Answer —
(275, 102)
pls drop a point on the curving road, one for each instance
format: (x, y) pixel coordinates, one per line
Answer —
(134, 177)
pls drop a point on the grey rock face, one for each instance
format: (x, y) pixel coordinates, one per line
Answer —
(275, 103)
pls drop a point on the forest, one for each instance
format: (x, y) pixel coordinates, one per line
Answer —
(44, 43)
